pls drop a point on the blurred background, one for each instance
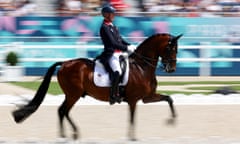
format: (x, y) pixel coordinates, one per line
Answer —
(36, 33)
(41, 32)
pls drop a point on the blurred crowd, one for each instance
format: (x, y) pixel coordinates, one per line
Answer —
(193, 8)
(189, 8)
(17, 7)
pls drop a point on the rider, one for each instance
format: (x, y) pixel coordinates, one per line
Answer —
(113, 45)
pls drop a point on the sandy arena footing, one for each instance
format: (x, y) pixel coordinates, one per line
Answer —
(109, 124)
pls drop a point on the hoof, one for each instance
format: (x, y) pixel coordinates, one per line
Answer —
(171, 121)
(75, 136)
(62, 135)
(133, 139)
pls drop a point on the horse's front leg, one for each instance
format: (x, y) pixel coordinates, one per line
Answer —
(131, 130)
(158, 98)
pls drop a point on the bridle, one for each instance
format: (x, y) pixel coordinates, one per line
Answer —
(166, 61)
(169, 50)
(146, 60)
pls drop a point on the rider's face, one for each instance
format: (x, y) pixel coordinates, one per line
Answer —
(109, 16)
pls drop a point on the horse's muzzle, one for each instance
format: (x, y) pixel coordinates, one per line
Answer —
(169, 69)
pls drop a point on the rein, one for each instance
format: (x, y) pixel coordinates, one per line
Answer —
(146, 59)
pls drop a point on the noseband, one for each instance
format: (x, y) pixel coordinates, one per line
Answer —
(170, 49)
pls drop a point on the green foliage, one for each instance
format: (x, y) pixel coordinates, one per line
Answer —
(12, 58)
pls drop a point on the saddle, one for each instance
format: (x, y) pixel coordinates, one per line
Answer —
(101, 76)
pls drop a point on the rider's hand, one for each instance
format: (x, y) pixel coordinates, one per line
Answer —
(131, 48)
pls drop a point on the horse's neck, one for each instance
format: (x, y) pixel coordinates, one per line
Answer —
(142, 71)
(146, 64)
(147, 56)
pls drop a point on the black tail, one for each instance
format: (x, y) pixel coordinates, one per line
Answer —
(21, 114)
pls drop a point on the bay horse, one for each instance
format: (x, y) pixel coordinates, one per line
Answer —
(76, 80)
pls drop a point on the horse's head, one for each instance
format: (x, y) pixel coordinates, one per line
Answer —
(158, 45)
(169, 53)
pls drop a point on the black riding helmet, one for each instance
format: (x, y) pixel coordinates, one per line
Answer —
(108, 9)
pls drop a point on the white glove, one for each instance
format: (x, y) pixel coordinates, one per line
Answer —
(131, 48)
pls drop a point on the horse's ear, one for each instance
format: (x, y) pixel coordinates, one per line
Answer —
(177, 37)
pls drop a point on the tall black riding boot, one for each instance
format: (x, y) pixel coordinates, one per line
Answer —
(114, 96)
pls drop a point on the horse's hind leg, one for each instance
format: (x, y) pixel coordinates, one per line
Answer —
(61, 114)
(63, 111)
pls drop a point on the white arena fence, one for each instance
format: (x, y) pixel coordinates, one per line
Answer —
(82, 48)
(95, 47)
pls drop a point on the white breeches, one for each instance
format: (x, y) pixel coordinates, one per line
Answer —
(114, 62)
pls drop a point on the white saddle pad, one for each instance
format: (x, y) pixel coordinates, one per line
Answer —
(101, 77)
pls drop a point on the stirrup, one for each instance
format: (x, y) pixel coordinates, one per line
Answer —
(114, 89)
(117, 96)
(112, 97)
(119, 99)
(112, 100)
